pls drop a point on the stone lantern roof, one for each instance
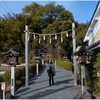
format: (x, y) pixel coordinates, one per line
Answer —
(83, 50)
(11, 52)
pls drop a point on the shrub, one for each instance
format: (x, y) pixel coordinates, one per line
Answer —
(97, 79)
(79, 73)
(32, 68)
(1, 78)
(65, 64)
(7, 76)
(20, 72)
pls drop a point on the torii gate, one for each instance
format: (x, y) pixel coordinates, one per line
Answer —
(26, 50)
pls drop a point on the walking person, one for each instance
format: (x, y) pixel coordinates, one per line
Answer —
(51, 73)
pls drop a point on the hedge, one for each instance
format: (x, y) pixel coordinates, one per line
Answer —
(64, 64)
(20, 75)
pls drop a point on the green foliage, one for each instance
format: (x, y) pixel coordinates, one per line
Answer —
(1, 79)
(10, 34)
(97, 79)
(32, 68)
(20, 72)
(90, 76)
(64, 64)
(7, 76)
(97, 63)
(79, 73)
(80, 32)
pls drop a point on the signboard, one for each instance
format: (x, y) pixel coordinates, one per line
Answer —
(3, 86)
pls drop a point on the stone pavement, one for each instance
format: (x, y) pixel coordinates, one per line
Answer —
(39, 88)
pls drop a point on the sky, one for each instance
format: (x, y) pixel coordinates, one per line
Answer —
(81, 10)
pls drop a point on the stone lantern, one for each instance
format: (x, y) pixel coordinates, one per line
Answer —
(83, 55)
(12, 56)
(37, 58)
(65, 58)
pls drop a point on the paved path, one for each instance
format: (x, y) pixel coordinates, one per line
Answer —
(39, 88)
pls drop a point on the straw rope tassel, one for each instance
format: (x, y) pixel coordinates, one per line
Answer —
(43, 37)
(61, 38)
(50, 38)
(66, 34)
(39, 39)
(55, 36)
(34, 36)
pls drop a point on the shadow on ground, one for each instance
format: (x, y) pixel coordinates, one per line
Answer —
(47, 92)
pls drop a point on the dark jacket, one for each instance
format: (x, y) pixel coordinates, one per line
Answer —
(50, 71)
